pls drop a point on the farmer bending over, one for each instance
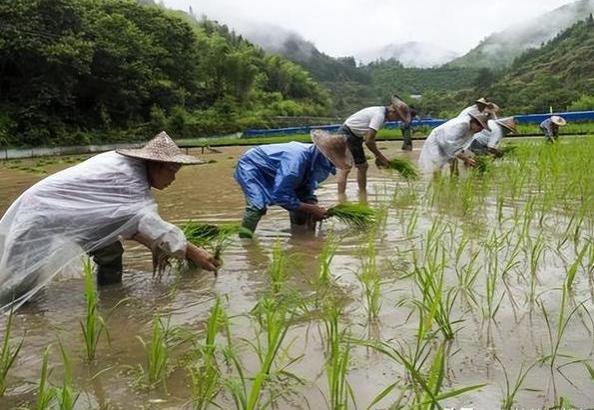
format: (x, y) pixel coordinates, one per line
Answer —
(89, 208)
(486, 142)
(288, 175)
(550, 127)
(445, 143)
(363, 126)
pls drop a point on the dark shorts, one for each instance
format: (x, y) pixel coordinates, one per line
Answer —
(355, 145)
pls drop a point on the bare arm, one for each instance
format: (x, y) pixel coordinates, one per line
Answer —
(317, 211)
(380, 159)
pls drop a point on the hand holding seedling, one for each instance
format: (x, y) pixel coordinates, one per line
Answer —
(202, 258)
(319, 213)
(381, 161)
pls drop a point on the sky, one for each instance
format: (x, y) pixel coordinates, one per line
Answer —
(348, 27)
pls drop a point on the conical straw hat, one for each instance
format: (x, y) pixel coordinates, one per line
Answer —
(161, 148)
(507, 123)
(402, 108)
(558, 120)
(334, 147)
(482, 118)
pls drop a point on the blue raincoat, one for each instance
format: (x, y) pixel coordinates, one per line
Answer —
(282, 174)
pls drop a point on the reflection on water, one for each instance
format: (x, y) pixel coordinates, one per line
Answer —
(208, 193)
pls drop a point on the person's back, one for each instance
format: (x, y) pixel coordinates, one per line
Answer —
(360, 122)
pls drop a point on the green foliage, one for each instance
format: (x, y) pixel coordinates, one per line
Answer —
(8, 354)
(356, 215)
(584, 103)
(71, 67)
(404, 167)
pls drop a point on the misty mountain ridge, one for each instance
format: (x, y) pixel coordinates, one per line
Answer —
(499, 49)
(409, 54)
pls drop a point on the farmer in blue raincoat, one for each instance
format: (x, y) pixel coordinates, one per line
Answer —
(287, 175)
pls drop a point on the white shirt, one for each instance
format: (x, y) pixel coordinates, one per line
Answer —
(491, 138)
(361, 121)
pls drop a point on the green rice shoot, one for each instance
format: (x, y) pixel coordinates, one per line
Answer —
(355, 215)
(213, 237)
(404, 167)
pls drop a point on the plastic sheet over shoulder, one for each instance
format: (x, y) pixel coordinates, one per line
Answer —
(56, 222)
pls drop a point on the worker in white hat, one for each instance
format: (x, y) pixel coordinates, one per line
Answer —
(550, 127)
(487, 142)
(88, 209)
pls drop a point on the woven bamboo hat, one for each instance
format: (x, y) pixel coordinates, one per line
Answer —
(402, 108)
(162, 149)
(560, 121)
(334, 147)
(508, 123)
(482, 119)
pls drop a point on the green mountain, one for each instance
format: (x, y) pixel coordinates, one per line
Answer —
(76, 71)
(554, 75)
(499, 49)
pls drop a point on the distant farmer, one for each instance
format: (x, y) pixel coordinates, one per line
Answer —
(481, 106)
(88, 209)
(363, 126)
(288, 175)
(486, 142)
(445, 143)
(406, 129)
(550, 127)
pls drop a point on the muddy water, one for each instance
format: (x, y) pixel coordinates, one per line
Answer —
(208, 193)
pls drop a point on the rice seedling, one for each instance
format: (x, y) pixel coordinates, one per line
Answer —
(370, 281)
(404, 167)
(9, 353)
(356, 215)
(274, 320)
(327, 252)
(337, 359)
(45, 394)
(427, 387)
(276, 270)
(509, 398)
(536, 252)
(66, 396)
(94, 324)
(483, 164)
(213, 237)
(205, 376)
(157, 351)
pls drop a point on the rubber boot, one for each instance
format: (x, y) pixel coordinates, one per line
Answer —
(108, 263)
(251, 217)
(407, 140)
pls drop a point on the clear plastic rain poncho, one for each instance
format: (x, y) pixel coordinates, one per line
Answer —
(53, 224)
(444, 143)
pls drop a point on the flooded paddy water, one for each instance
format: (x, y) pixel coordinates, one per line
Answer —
(462, 283)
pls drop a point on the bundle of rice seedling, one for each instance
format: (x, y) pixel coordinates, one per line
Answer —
(404, 167)
(213, 237)
(356, 215)
(483, 163)
(508, 149)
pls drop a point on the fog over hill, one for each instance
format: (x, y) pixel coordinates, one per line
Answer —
(500, 49)
(410, 54)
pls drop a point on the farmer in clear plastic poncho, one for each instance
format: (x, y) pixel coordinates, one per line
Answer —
(288, 175)
(445, 144)
(88, 209)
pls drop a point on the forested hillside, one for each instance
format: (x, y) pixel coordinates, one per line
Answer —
(500, 49)
(557, 75)
(75, 71)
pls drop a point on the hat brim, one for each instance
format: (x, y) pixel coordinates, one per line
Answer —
(559, 121)
(319, 138)
(149, 156)
(480, 121)
(507, 127)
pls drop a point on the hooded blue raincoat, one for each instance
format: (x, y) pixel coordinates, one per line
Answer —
(282, 174)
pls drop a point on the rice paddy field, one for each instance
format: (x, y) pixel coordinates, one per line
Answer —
(475, 292)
